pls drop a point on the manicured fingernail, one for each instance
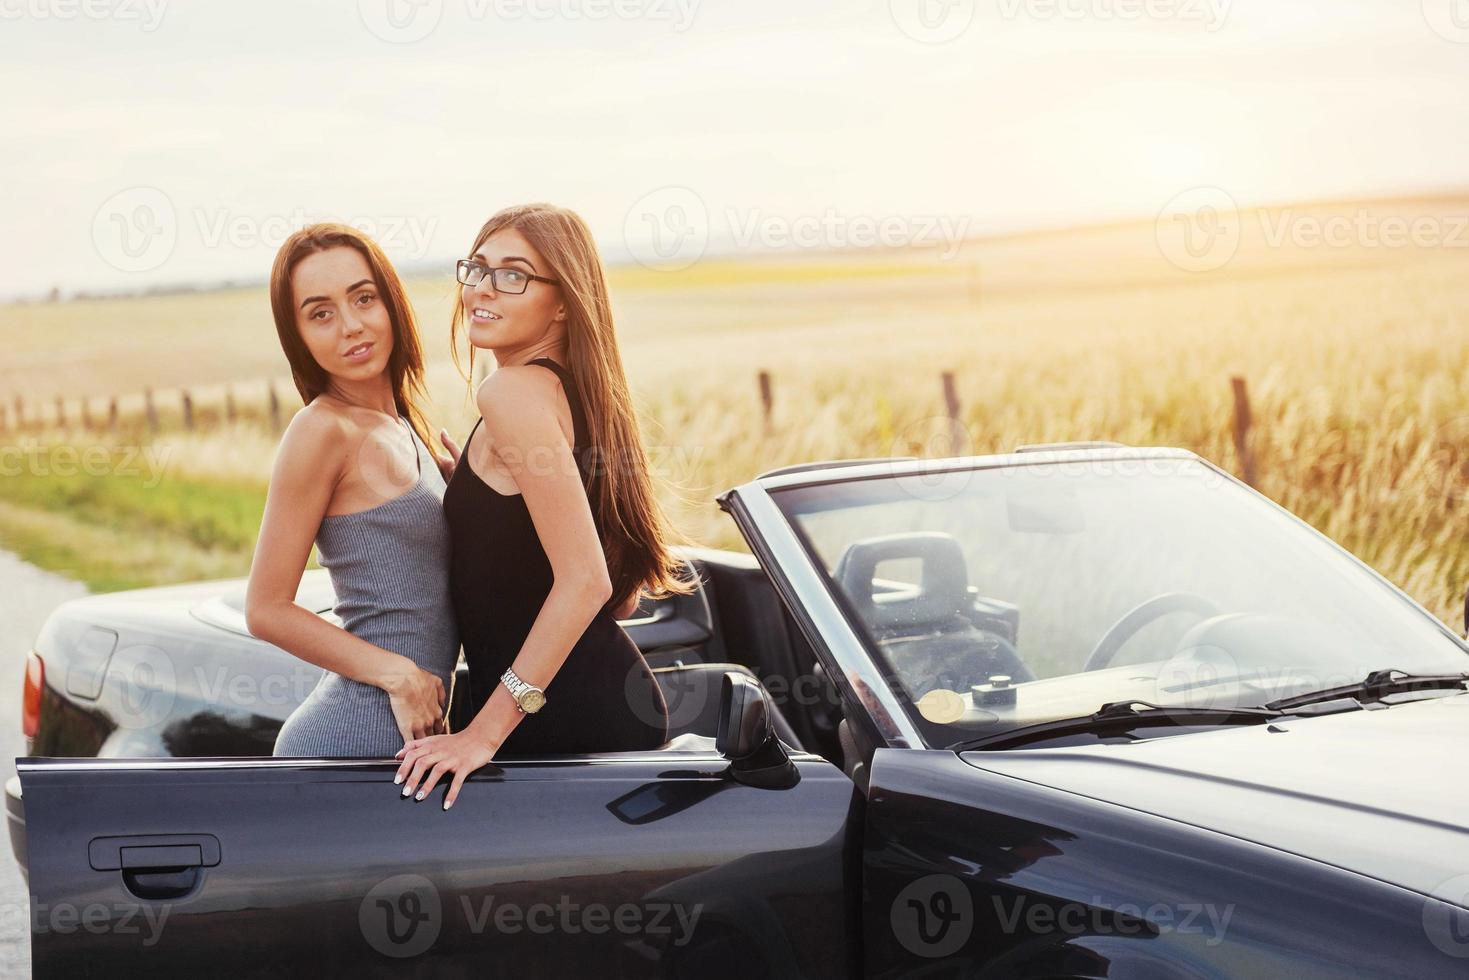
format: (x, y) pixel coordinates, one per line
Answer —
(398, 779)
(448, 803)
(407, 790)
(419, 796)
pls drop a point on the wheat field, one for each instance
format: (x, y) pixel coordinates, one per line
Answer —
(1355, 354)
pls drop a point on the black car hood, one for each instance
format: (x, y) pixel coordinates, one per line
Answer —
(1378, 792)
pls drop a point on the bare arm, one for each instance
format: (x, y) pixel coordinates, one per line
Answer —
(308, 468)
(519, 409)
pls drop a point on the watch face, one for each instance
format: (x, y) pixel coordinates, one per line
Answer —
(533, 701)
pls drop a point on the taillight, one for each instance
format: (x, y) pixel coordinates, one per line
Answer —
(30, 705)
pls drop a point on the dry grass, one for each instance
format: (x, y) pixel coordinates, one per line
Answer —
(1356, 358)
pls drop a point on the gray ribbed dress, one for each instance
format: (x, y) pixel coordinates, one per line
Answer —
(390, 568)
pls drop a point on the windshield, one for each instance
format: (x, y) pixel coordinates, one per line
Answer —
(1002, 597)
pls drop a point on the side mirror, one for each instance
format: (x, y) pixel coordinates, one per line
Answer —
(746, 735)
(744, 717)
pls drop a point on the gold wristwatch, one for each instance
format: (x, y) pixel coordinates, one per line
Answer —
(528, 698)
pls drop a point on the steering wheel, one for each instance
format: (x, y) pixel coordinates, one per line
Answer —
(1141, 615)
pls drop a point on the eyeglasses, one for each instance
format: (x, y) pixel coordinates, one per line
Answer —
(472, 273)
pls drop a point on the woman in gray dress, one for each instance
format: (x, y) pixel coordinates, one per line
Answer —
(354, 474)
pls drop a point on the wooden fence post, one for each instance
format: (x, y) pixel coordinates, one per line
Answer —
(60, 413)
(188, 406)
(1243, 422)
(4, 420)
(958, 441)
(20, 415)
(229, 405)
(767, 400)
(112, 414)
(275, 409)
(151, 411)
(86, 414)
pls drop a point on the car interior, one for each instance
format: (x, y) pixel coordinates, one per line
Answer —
(928, 622)
(931, 625)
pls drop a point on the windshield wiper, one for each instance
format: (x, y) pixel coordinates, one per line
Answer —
(1117, 717)
(1378, 685)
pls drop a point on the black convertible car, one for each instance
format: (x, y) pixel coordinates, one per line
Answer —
(1070, 713)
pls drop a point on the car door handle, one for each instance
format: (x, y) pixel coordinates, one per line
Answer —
(145, 851)
(156, 866)
(167, 856)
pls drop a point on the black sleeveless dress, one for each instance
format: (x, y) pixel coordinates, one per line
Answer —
(604, 697)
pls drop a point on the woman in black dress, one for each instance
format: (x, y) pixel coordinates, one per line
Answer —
(554, 529)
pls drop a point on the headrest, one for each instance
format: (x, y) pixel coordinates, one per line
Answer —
(943, 590)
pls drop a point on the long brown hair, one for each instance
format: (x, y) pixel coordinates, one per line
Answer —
(634, 532)
(405, 364)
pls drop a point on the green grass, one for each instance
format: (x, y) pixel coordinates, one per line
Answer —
(107, 560)
(124, 526)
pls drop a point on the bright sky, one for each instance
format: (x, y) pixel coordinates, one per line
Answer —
(163, 141)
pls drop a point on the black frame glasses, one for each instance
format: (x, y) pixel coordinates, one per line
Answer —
(465, 271)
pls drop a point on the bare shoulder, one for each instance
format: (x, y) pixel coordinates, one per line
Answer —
(316, 433)
(518, 395)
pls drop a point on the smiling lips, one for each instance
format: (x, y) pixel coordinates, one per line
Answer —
(481, 315)
(360, 352)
